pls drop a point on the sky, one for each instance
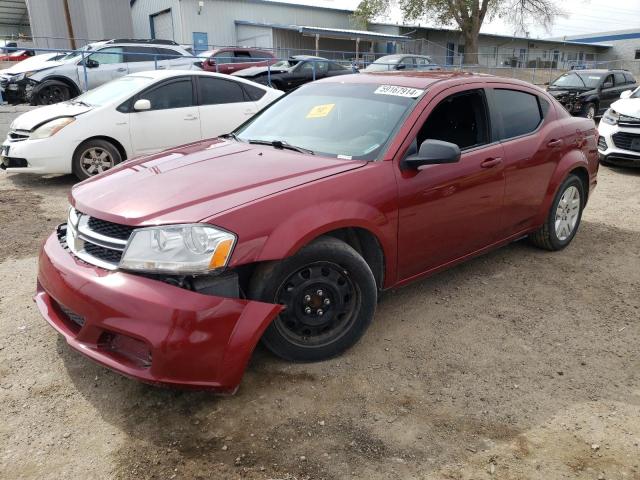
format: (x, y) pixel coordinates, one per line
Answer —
(583, 16)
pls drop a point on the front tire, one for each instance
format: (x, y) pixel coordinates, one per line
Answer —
(564, 216)
(94, 157)
(50, 93)
(590, 110)
(329, 294)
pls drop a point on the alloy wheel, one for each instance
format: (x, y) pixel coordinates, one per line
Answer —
(96, 160)
(567, 213)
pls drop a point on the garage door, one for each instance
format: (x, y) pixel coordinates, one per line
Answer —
(162, 25)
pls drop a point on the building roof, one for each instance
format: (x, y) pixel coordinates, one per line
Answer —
(289, 4)
(609, 36)
(506, 37)
(13, 12)
(328, 32)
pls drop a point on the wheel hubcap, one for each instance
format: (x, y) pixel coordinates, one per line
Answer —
(95, 160)
(567, 213)
(591, 113)
(321, 302)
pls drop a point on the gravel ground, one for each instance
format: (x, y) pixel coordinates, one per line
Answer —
(519, 364)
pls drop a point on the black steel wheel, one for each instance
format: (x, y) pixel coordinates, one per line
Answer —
(329, 295)
(50, 94)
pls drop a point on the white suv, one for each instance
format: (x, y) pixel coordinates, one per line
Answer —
(619, 129)
(67, 77)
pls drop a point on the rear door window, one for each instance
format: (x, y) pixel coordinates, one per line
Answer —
(241, 56)
(216, 91)
(629, 78)
(619, 79)
(519, 112)
(174, 94)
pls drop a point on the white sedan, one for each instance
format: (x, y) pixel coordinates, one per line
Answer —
(134, 115)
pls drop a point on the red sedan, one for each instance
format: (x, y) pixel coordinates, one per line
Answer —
(230, 60)
(172, 267)
(17, 56)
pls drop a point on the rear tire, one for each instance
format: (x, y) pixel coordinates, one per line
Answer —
(94, 157)
(563, 218)
(330, 297)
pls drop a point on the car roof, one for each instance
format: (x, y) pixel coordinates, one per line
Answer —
(306, 57)
(419, 79)
(163, 74)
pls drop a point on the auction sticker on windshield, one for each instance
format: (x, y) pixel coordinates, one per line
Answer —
(320, 111)
(398, 91)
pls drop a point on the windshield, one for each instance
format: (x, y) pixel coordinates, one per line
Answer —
(334, 119)
(383, 64)
(284, 64)
(578, 80)
(113, 91)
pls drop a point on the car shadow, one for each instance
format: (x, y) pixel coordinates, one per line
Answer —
(41, 183)
(477, 354)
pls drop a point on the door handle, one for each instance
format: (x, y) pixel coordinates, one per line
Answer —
(122, 69)
(491, 162)
(191, 117)
(554, 143)
(160, 67)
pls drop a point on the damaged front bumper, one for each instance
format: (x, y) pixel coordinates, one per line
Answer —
(17, 90)
(147, 329)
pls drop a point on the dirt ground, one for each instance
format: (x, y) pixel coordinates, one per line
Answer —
(521, 364)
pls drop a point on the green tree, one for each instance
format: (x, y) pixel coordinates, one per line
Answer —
(468, 15)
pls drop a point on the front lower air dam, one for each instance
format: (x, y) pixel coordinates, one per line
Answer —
(147, 329)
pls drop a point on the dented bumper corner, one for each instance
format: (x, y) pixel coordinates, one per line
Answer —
(146, 329)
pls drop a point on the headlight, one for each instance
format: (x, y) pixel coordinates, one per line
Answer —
(611, 117)
(181, 249)
(50, 128)
(21, 76)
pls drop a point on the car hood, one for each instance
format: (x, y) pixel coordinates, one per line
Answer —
(628, 106)
(253, 71)
(197, 181)
(31, 65)
(34, 118)
(562, 92)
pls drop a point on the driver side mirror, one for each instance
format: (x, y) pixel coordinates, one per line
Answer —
(607, 85)
(141, 105)
(432, 152)
(401, 66)
(626, 94)
(91, 63)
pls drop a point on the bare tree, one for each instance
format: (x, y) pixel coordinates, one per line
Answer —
(468, 15)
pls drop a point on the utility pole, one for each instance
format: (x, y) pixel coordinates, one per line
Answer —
(67, 15)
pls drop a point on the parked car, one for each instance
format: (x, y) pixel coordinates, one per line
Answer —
(17, 56)
(297, 70)
(619, 129)
(590, 92)
(402, 62)
(134, 115)
(65, 78)
(172, 267)
(230, 60)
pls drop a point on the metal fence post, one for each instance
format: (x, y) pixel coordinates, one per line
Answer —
(314, 70)
(269, 74)
(155, 62)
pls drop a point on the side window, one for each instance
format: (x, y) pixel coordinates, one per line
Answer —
(608, 82)
(223, 57)
(253, 93)
(260, 56)
(408, 62)
(167, 54)
(139, 54)
(544, 106)
(460, 119)
(629, 78)
(619, 78)
(108, 55)
(520, 112)
(335, 67)
(215, 91)
(177, 94)
(241, 56)
(308, 66)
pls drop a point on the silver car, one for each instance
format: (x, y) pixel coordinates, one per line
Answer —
(95, 64)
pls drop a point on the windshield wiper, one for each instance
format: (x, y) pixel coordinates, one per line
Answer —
(230, 135)
(282, 145)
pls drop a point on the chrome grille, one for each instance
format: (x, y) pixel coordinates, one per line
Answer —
(96, 241)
